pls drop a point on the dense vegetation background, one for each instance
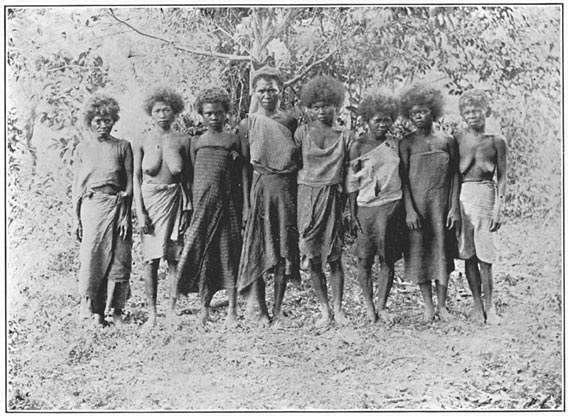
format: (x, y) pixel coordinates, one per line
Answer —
(57, 57)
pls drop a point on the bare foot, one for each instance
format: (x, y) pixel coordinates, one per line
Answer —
(386, 317)
(341, 318)
(99, 319)
(117, 319)
(263, 320)
(492, 317)
(85, 311)
(324, 321)
(282, 321)
(231, 319)
(445, 315)
(477, 315)
(150, 323)
(172, 319)
(372, 317)
(204, 315)
(429, 313)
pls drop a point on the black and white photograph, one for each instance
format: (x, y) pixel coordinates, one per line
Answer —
(284, 207)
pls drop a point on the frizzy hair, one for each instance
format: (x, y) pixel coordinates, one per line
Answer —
(324, 89)
(420, 94)
(378, 101)
(213, 95)
(268, 73)
(101, 105)
(164, 95)
(474, 97)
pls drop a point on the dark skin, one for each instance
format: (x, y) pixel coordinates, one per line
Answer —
(422, 140)
(379, 124)
(214, 117)
(483, 157)
(267, 95)
(160, 157)
(98, 139)
(324, 132)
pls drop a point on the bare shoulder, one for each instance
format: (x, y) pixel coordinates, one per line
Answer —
(355, 148)
(499, 141)
(287, 120)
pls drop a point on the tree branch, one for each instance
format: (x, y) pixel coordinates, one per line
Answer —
(305, 71)
(210, 53)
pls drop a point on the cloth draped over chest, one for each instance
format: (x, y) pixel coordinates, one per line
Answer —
(430, 250)
(210, 258)
(271, 233)
(376, 175)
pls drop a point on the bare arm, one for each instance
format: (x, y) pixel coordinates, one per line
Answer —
(126, 206)
(245, 169)
(137, 156)
(454, 216)
(501, 173)
(412, 218)
(78, 228)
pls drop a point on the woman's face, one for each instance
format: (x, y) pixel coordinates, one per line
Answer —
(325, 113)
(214, 116)
(421, 116)
(380, 124)
(268, 93)
(102, 125)
(163, 115)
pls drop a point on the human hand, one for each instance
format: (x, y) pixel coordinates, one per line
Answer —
(144, 224)
(184, 221)
(453, 219)
(495, 222)
(413, 220)
(355, 224)
(124, 227)
(246, 212)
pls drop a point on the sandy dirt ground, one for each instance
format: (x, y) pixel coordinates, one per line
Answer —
(58, 362)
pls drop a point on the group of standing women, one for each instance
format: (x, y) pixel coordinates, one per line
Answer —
(285, 185)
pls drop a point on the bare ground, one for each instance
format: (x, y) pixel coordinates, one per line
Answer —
(58, 362)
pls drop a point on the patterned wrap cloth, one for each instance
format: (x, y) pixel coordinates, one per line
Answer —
(271, 233)
(477, 201)
(210, 258)
(429, 254)
(320, 197)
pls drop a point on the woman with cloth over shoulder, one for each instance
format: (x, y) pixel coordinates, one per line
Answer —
(162, 172)
(210, 258)
(102, 197)
(324, 150)
(270, 240)
(375, 195)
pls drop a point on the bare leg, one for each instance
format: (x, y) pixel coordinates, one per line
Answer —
(486, 272)
(442, 292)
(337, 278)
(204, 314)
(320, 286)
(259, 292)
(111, 284)
(426, 290)
(151, 289)
(364, 266)
(172, 282)
(86, 310)
(231, 319)
(474, 281)
(117, 318)
(386, 278)
(279, 290)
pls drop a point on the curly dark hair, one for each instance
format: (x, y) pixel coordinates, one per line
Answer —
(378, 101)
(474, 97)
(325, 89)
(268, 73)
(420, 94)
(101, 105)
(164, 95)
(213, 95)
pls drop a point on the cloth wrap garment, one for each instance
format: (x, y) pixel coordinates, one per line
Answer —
(103, 255)
(271, 233)
(210, 258)
(429, 254)
(477, 201)
(375, 175)
(164, 204)
(320, 197)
